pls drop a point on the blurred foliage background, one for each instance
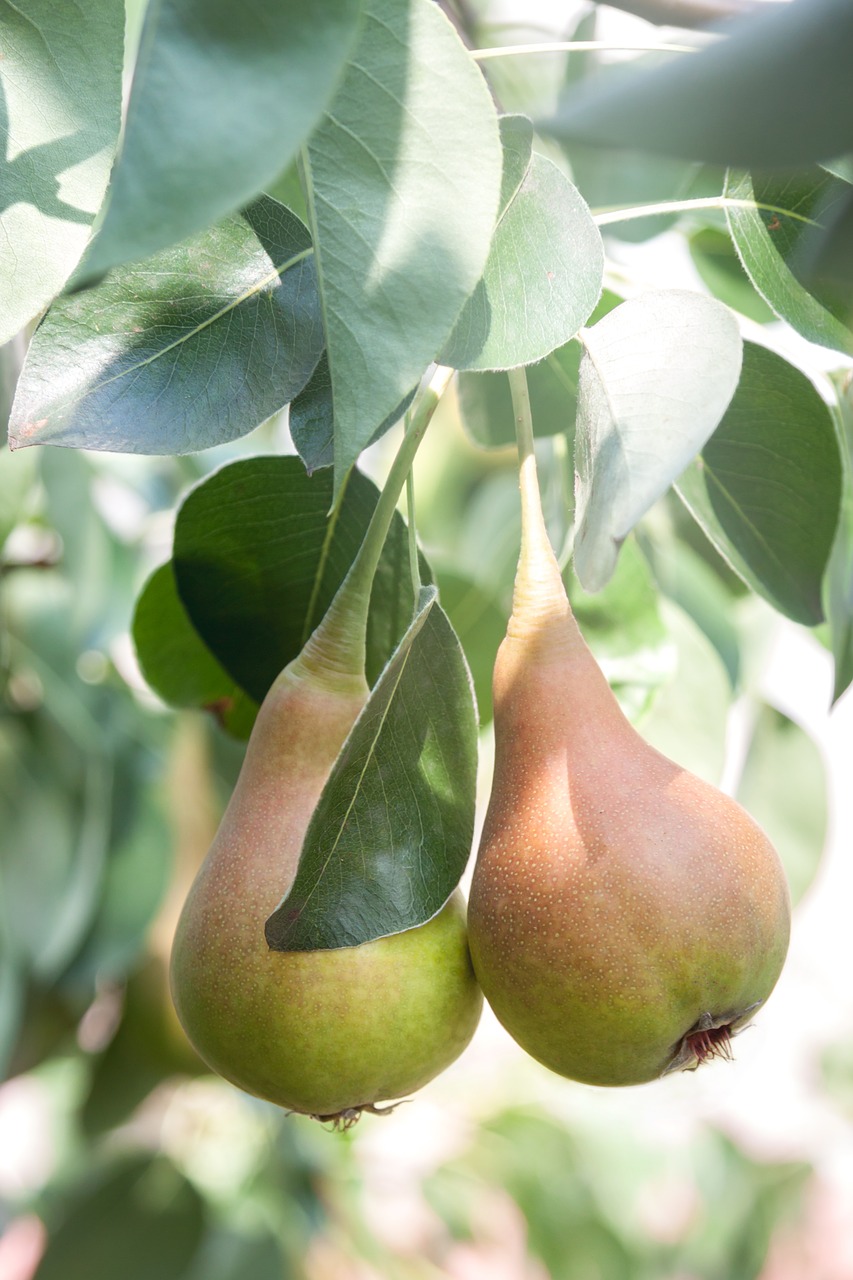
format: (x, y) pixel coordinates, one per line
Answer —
(121, 1156)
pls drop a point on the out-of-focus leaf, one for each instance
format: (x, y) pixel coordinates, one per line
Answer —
(687, 720)
(312, 419)
(178, 664)
(17, 476)
(542, 279)
(627, 179)
(717, 262)
(767, 486)
(776, 92)
(60, 107)
(257, 563)
(485, 401)
(480, 624)
(192, 349)
(392, 831)
(783, 786)
(693, 585)
(798, 248)
(838, 580)
(657, 375)
(225, 1255)
(404, 176)
(139, 1220)
(221, 100)
(85, 559)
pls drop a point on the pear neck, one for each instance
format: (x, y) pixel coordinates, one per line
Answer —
(334, 656)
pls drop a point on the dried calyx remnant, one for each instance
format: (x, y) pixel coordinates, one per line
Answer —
(709, 1038)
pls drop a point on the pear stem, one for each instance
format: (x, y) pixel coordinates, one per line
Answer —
(539, 593)
(334, 655)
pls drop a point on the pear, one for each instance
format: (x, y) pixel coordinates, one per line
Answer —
(329, 1033)
(626, 919)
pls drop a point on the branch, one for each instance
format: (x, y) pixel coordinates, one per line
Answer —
(689, 14)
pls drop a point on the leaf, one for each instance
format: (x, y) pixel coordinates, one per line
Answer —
(715, 259)
(480, 624)
(60, 109)
(690, 582)
(838, 579)
(220, 102)
(542, 279)
(783, 786)
(803, 270)
(403, 178)
(775, 93)
(176, 662)
(257, 563)
(312, 419)
(195, 348)
(655, 379)
(140, 1219)
(392, 831)
(767, 487)
(485, 402)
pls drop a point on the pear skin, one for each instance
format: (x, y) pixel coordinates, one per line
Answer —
(327, 1033)
(625, 918)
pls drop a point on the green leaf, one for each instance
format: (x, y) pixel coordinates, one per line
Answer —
(176, 662)
(480, 624)
(485, 402)
(221, 100)
(613, 179)
(838, 580)
(404, 175)
(195, 348)
(715, 259)
(140, 1219)
(257, 562)
(688, 580)
(655, 379)
(767, 487)
(392, 831)
(542, 279)
(60, 108)
(783, 786)
(312, 419)
(803, 270)
(775, 93)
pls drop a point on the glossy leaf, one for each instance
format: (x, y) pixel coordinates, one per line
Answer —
(655, 380)
(176, 662)
(404, 177)
(542, 279)
(392, 831)
(60, 110)
(485, 402)
(800, 261)
(221, 100)
(783, 786)
(257, 562)
(192, 349)
(774, 93)
(767, 487)
(312, 419)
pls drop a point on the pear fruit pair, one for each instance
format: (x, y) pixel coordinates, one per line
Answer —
(330, 1032)
(625, 918)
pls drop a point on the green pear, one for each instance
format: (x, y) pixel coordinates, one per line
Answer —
(626, 918)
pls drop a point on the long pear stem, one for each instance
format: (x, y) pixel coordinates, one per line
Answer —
(539, 593)
(334, 655)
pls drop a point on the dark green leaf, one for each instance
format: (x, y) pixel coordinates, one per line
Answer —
(767, 486)
(800, 261)
(257, 562)
(404, 176)
(480, 624)
(838, 580)
(312, 419)
(542, 279)
(192, 349)
(178, 664)
(783, 786)
(60, 109)
(392, 831)
(656, 377)
(775, 93)
(142, 1219)
(485, 402)
(222, 98)
(717, 262)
